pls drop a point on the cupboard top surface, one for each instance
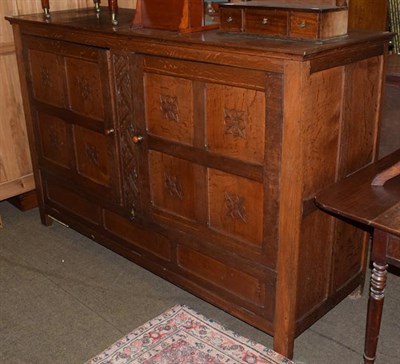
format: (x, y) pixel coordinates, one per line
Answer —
(80, 21)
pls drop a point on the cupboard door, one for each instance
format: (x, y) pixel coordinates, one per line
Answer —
(70, 91)
(205, 152)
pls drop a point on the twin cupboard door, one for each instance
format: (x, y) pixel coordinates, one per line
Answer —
(70, 91)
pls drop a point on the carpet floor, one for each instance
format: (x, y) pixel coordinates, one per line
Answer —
(65, 298)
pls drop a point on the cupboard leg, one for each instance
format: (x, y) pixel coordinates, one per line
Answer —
(45, 219)
(284, 346)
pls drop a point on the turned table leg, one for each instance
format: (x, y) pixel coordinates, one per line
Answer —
(377, 295)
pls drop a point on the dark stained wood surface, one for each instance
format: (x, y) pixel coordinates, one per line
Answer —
(360, 199)
(368, 14)
(355, 198)
(212, 190)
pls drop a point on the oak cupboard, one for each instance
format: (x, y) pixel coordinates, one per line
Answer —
(198, 155)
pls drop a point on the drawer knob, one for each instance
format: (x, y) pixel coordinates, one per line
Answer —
(137, 139)
(264, 21)
(109, 131)
(302, 24)
(229, 19)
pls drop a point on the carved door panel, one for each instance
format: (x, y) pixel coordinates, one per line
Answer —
(70, 92)
(237, 208)
(169, 107)
(234, 129)
(175, 186)
(85, 91)
(46, 69)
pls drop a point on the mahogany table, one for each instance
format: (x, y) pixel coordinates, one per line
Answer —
(371, 197)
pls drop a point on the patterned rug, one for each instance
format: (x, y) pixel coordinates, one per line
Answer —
(182, 336)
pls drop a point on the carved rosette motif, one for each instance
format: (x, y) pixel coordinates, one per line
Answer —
(54, 139)
(235, 206)
(45, 77)
(173, 186)
(235, 122)
(84, 87)
(127, 127)
(92, 154)
(169, 107)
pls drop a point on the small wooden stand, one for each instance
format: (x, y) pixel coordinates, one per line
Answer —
(308, 19)
(181, 15)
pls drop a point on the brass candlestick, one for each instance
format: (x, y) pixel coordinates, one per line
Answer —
(97, 5)
(46, 8)
(113, 6)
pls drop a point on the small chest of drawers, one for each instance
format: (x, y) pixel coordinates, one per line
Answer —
(285, 20)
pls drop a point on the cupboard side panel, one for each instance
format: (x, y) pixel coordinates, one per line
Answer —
(361, 111)
(358, 148)
(321, 124)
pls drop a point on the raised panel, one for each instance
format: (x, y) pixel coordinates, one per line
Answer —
(54, 140)
(225, 276)
(236, 206)
(47, 77)
(136, 236)
(169, 107)
(85, 88)
(92, 155)
(72, 202)
(236, 122)
(175, 185)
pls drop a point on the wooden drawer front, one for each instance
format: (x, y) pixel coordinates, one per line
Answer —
(304, 25)
(231, 19)
(169, 107)
(236, 207)
(173, 184)
(65, 199)
(225, 277)
(54, 140)
(236, 122)
(266, 21)
(46, 74)
(130, 232)
(85, 91)
(92, 157)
